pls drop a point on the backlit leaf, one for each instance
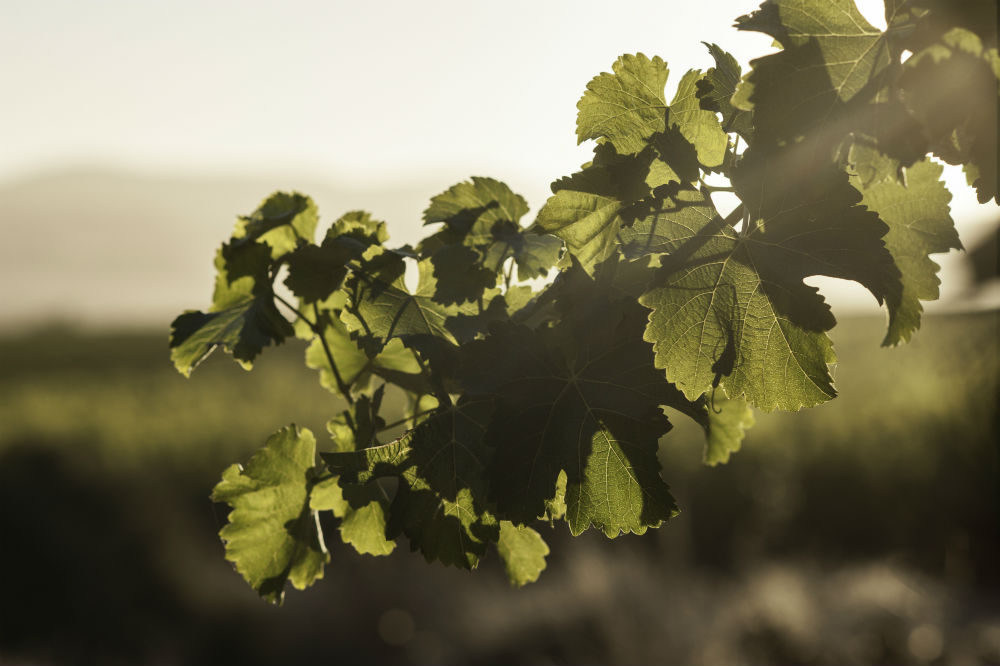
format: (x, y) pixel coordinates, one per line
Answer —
(699, 126)
(589, 407)
(282, 222)
(919, 225)
(731, 308)
(628, 107)
(243, 318)
(382, 308)
(273, 535)
(523, 552)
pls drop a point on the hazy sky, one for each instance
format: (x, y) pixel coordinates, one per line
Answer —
(354, 92)
(350, 93)
(358, 90)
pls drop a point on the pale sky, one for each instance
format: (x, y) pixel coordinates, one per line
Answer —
(360, 90)
(351, 93)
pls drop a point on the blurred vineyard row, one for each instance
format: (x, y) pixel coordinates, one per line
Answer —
(863, 531)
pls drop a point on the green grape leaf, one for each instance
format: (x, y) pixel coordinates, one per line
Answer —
(728, 420)
(732, 309)
(473, 209)
(360, 226)
(498, 307)
(315, 272)
(699, 126)
(355, 367)
(555, 508)
(363, 465)
(461, 274)
(724, 421)
(533, 253)
(717, 88)
(440, 502)
(523, 552)
(243, 318)
(448, 449)
(364, 527)
(589, 209)
(273, 535)
(381, 307)
(919, 225)
(675, 159)
(362, 508)
(362, 519)
(958, 67)
(626, 108)
(356, 427)
(282, 222)
(675, 218)
(589, 408)
(481, 232)
(587, 213)
(327, 496)
(440, 466)
(831, 57)
(454, 531)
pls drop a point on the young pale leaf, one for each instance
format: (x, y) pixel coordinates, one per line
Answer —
(523, 552)
(273, 535)
(282, 222)
(919, 225)
(243, 318)
(555, 508)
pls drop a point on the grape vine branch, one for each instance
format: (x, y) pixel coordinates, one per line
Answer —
(526, 407)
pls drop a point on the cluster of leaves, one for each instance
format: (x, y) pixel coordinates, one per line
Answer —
(530, 406)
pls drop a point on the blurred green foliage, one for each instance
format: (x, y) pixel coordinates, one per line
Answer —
(107, 457)
(115, 392)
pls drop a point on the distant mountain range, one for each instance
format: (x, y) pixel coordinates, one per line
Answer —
(110, 248)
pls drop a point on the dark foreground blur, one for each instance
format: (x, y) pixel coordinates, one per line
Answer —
(863, 531)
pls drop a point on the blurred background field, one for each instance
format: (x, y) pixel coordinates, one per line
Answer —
(861, 531)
